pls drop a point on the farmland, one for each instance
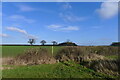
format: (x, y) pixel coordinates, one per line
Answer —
(12, 51)
(64, 69)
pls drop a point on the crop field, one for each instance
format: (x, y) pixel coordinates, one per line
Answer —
(12, 51)
(62, 69)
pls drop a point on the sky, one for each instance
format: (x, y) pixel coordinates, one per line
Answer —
(85, 23)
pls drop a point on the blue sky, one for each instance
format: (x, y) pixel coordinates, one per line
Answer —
(85, 23)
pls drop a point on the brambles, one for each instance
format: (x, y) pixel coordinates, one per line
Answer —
(91, 57)
(34, 56)
(109, 67)
(77, 54)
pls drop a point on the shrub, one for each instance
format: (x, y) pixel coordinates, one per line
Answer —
(109, 67)
(105, 50)
(77, 54)
(34, 56)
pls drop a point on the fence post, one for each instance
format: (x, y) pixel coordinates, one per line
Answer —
(52, 50)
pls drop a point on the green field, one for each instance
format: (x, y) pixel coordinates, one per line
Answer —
(12, 51)
(58, 70)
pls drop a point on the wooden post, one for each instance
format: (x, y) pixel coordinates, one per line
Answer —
(52, 50)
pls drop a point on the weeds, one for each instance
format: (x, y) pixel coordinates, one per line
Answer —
(34, 56)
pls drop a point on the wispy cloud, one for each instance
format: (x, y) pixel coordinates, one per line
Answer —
(21, 18)
(54, 26)
(27, 35)
(70, 28)
(63, 28)
(67, 15)
(16, 29)
(108, 9)
(3, 35)
(26, 8)
(71, 18)
(66, 6)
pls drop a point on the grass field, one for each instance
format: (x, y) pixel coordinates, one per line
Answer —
(58, 70)
(12, 51)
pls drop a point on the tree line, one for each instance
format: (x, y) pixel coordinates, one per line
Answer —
(43, 42)
(68, 43)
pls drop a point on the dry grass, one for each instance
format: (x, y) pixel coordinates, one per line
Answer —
(109, 67)
(34, 56)
(91, 57)
(77, 54)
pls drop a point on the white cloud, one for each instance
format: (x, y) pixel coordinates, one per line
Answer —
(22, 18)
(63, 28)
(71, 28)
(3, 35)
(66, 6)
(71, 17)
(26, 8)
(54, 26)
(67, 15)
(16, 29)
(21, 31)
(108, 9)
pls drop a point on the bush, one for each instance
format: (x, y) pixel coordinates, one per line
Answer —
(91, 57)
(34, 56)
(77, 54)
(104, 50)
(109, 67)
(68, 53)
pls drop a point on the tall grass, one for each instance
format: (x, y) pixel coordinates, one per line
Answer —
(34, 56)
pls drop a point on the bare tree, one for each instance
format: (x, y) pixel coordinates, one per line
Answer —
(43, 42)
(31, 41)
(54, 42)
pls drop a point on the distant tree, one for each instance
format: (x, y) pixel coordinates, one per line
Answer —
(67, 44)
(115, 44)
(31, 41)
(54, 42)
(68, 41)
(43, 42)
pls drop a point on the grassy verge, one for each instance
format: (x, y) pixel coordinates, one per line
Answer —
(59, 70)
